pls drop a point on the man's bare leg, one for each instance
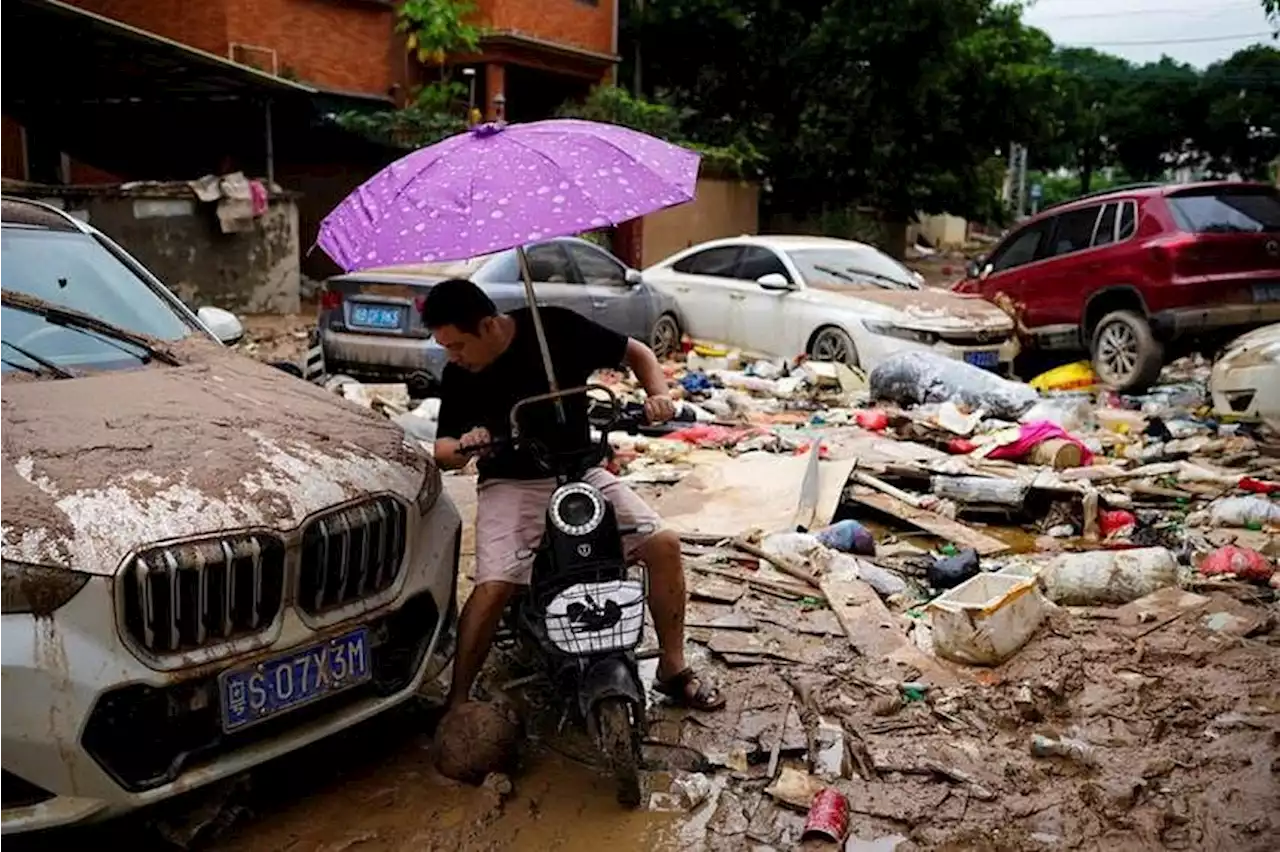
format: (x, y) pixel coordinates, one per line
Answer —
(476, 626)
(661, 556)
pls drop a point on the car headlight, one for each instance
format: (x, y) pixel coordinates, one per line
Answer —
(37, 589)
(577, 509)
(890, 330)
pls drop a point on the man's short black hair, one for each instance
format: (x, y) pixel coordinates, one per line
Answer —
(459, 303)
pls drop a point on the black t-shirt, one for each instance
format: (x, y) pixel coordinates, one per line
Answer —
(469, 400)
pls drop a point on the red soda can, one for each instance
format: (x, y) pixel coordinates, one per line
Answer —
(828, 815)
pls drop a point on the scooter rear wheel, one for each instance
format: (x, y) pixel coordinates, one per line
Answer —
(620, 741)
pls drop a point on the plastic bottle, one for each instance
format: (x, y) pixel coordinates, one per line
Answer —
(1068, 747)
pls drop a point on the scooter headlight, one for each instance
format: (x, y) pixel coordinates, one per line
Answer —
(577, 509)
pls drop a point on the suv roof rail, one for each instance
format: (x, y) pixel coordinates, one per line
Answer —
(1128, 187)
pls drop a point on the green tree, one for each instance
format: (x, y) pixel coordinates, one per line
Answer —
(1155, 117)
(898, 104)
(434, 30)
(1241, 99)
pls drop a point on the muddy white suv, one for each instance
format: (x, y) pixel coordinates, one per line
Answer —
(207, 562)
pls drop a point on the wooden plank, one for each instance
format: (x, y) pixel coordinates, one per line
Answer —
(931, 522)
(875, 632)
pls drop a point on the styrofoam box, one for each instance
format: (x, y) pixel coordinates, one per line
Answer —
(986, 619)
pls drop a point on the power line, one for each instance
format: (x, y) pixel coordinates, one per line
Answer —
(1189, 11)
(1162, 41)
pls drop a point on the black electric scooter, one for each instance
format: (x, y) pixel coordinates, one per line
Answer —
(582, 616)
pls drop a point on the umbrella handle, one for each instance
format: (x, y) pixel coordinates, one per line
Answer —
(539, 331)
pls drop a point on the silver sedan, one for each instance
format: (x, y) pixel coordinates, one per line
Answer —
(371, 327)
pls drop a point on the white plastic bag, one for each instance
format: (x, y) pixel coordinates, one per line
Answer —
(1108, 576)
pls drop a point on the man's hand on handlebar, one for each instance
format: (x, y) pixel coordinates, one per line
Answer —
(476, 442)
(659, 409)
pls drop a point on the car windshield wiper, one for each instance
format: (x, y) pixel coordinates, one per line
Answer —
(45, 363)
(852, 275)
(77, 321)
(830, 270)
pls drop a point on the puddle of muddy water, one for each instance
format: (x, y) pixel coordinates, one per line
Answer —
(374, 789)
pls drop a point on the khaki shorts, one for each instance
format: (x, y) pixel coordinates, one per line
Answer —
(511, 515)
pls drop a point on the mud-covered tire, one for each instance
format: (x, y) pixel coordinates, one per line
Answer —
(833, 344)
(620, 742)
(664, 339)
(1126, 355)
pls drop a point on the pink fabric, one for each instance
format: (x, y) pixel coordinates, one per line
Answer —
(511, 515)
(258, 195)
(1033, 434)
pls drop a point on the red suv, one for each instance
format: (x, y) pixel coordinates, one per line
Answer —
(1139, 275)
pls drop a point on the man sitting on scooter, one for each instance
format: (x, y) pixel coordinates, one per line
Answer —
(495, 361)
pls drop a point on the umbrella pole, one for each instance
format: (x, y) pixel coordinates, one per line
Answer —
(539, 331)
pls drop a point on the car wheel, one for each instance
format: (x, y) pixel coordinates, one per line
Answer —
(665, 338)
(833, 344)
(1126, 355)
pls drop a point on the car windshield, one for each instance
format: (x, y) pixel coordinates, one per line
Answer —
(854, 266)
(1245, 210)
(74, 270)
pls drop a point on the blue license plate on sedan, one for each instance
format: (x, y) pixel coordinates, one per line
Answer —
(376, 316)
(1269, 292)
(254, 693)
(985, 360)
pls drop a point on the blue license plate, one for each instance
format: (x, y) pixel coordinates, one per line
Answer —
(1266, 292)
(985, 360)
(376, 316)
(269, 688)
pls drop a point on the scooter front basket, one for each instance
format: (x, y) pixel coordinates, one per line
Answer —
(597, 618)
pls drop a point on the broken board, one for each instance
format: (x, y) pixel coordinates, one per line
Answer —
(961, 535)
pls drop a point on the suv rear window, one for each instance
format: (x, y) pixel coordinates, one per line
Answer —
(1227, 210)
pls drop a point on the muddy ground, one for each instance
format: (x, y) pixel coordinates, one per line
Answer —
(1180, 711)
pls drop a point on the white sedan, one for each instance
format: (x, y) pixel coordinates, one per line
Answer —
(835, 300)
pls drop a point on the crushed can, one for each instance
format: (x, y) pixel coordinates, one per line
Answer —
(828, 815)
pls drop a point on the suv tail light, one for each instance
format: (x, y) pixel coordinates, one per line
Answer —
(330, 300)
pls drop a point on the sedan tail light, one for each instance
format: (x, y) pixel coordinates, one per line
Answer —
(330, 300)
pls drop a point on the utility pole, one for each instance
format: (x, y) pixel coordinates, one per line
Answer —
(1017, 179)
(1022, 180)
(636, 89)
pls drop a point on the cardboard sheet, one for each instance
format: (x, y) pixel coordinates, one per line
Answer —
(730, 496)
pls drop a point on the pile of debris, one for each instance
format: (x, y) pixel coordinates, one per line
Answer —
(954, 609)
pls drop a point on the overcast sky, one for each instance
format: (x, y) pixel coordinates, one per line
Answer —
(1200, 32)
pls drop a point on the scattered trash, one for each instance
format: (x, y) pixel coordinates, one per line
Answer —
(848, 537)
(1107, 576)
(986, 619)
(1072, 749)
(1241, 562)
(828, 816)
(947, 572)
(1254, 512)
(694, 788)
(1075, 376)
(915, 378)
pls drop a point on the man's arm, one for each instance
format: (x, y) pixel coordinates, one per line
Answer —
(640, 358)
(455, 417)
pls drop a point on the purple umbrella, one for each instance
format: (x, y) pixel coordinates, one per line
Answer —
(501, 186)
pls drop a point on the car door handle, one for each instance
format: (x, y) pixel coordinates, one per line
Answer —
(738, 297)
(599, 303)
(683, 289)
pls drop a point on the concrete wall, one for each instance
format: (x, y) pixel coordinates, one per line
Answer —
(722, 208)
(943, 230)
(178, 238)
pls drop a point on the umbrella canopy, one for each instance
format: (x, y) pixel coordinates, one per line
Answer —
(501, 186)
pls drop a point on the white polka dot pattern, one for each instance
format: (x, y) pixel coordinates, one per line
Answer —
(500, 186)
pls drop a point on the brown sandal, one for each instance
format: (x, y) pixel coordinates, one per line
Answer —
(706, 696)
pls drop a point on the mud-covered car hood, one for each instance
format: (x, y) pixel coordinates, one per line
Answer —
(1260, 346)
(94, 467)
(927, 309)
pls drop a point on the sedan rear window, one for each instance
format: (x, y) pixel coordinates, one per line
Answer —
(1228, 211)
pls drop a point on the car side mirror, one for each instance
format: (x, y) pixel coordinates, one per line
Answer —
(774, 281)
(224, 325)
(634, 278)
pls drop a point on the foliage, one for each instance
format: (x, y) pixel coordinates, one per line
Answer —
(614, 105)
(436, 28)
(896, 104)
(1240, 97)
(438, 112)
